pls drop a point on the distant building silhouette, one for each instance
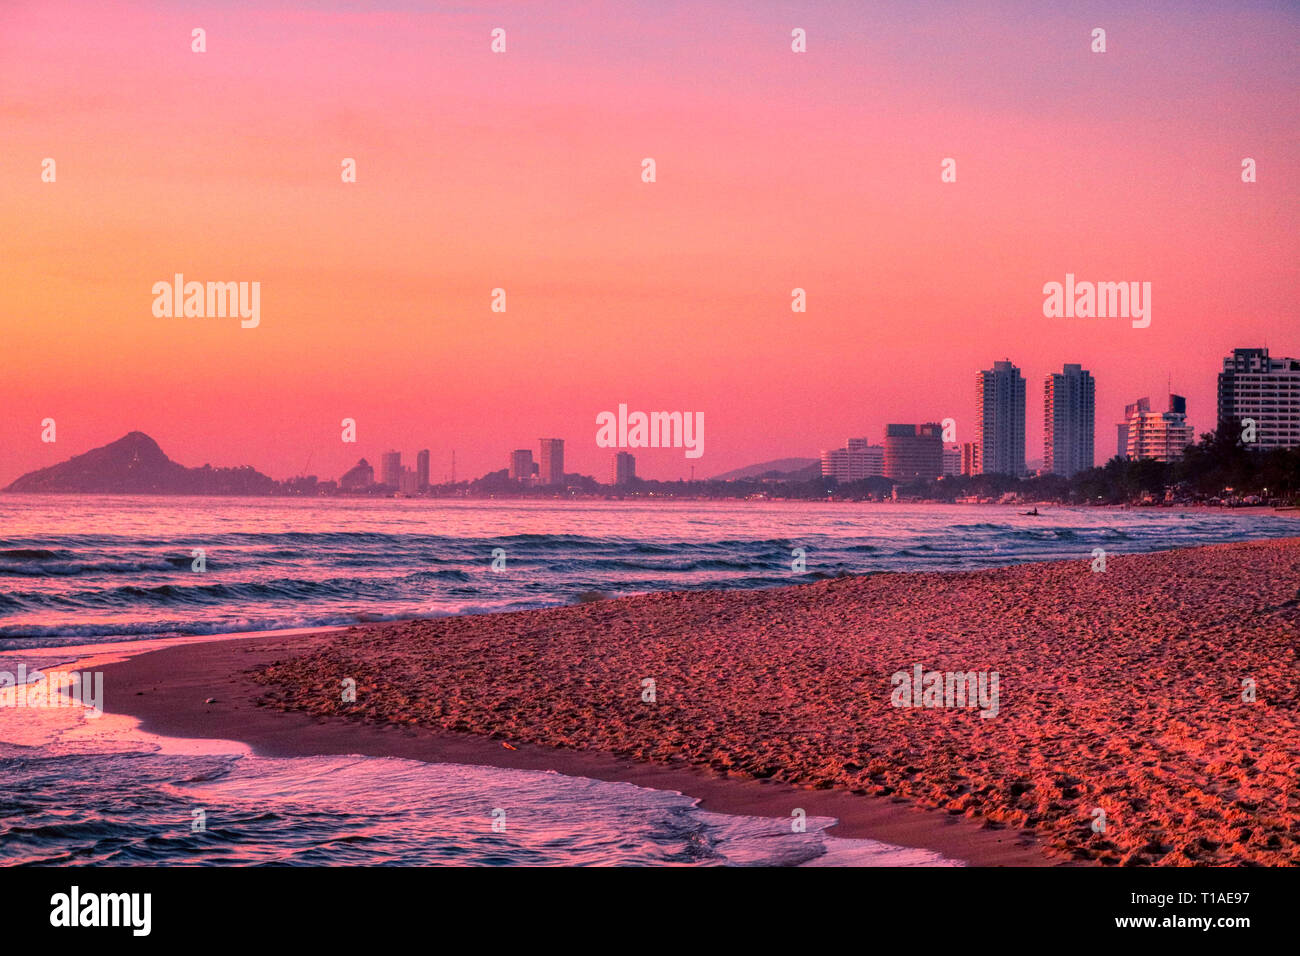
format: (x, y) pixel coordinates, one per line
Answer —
(1069, 421)
(521, 464)
(358, 477)
(390, 468)
(1000, 419)
(552, 461)
(422, 470)
(623, 470)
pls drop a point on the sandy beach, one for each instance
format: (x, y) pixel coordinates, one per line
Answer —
(1120, 691)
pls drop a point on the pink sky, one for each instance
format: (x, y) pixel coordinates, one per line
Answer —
(522, 171)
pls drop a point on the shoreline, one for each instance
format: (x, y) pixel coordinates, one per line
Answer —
(164, 689)
(1182, 786)
(695, 499)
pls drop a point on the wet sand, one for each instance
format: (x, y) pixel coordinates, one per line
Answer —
(1119, 690)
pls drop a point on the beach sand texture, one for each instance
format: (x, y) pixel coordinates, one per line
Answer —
(1120, 690)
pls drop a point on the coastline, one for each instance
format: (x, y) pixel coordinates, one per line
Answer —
(755, 499)
(1096, 711)
(165, 690)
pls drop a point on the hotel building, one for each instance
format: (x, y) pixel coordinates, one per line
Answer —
(1161, 436)
(857, 460)
(359, 476)
(1267, 391)
(913, 451)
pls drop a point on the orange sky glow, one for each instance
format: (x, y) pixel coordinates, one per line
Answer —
(522, 171)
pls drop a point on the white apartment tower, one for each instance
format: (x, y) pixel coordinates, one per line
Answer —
(857, 460)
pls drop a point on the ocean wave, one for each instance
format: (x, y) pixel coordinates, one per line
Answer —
(33, 554)
(73, 586)
(63, 568)
(135, 809)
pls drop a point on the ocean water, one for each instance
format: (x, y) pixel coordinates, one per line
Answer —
(84, 581)
(77, 789)
(78, 569)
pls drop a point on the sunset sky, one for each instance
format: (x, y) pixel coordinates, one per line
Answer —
(522, 170)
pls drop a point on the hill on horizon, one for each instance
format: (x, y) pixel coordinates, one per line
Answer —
(777, 468)
(135, 465)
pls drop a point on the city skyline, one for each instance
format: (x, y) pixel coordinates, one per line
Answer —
(1251, 381)
(819, 171)
(671, 466)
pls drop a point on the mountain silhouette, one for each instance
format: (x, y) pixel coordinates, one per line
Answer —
(135, 465)
(798, 469)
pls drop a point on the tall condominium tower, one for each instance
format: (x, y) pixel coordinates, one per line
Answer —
(1265, 390)
(422, 470)
(390, 469)
(1000, 419)
(552, 463)
(521, 464)
(1069, 421)
(624, 468)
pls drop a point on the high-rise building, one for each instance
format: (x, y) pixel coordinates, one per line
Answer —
(552, 461)
(858, 459)
(1265, 390)
(1069, 421)
(1157, 435)
(1141, 406)
(913, 451)
(1000, 419)
(408, 482)
(970, 458)
(390, 468)
(422, 470)
(521, 464)
(623, 470)
(951, 460)
(865, 459)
